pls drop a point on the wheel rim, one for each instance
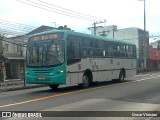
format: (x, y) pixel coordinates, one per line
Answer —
(85, 81)
(122, 77)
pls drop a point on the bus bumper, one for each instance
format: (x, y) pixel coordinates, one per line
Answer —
(49, 80)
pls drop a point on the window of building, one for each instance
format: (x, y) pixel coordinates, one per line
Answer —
(18, 48)
(6, 47)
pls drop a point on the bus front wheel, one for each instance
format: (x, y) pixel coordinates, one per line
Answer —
(54, 87)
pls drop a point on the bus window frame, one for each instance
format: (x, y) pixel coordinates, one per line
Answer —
(71, 39)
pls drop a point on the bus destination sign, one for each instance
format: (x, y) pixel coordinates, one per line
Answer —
(46, 37)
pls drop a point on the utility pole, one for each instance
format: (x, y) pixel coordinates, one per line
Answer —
(104, 33)
(144, 37)
(108, 31)
(144, 15)
(145, 47)
(144, 2)
(95, 27)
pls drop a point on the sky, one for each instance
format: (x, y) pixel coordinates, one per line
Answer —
(122, 13)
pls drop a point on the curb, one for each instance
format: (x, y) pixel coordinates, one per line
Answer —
(20, 88)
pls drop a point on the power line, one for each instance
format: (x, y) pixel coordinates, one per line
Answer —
(51, 9)
(20, 24)
(14, 26)
(69, 10)
(9, 32)
(11, 28)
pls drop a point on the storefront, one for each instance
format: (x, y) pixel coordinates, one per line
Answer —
(14, 67)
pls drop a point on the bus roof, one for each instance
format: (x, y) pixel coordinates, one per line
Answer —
(84, 35)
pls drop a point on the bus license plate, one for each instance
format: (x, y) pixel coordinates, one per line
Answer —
(41, 78)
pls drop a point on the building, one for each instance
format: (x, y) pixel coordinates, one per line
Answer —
(15, 54)
(155, 54)
(154, 57)
(133, 35)
(155, 44)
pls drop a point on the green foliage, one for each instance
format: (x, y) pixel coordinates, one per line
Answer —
(1, 76)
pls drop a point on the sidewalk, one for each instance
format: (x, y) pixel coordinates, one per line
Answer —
(16, 84)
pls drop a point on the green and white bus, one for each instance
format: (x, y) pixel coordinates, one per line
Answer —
(61, 57)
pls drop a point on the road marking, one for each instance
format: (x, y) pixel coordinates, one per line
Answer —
(145, 75)
(67, 93)
(105, 105)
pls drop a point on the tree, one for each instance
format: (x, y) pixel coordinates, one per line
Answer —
(1, 57)
(1, 47)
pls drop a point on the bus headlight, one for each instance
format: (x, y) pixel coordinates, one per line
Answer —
(60, 71)
(26, 72)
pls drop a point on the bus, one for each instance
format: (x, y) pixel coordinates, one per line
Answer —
(63, 57)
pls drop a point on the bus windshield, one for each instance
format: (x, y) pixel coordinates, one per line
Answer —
(46, 54)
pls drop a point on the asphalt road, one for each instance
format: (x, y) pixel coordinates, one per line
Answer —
(138, 93)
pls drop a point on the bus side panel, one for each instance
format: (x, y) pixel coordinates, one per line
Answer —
(72, 74)
(103, 69)
(76, 71)
(131, 70)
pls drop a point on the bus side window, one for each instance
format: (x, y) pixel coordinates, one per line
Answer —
(100, 48)
(110, 49)
(115, 50)
(130, 51)
(134, 51)
(87, 47)
(73, 50)
(122, 51)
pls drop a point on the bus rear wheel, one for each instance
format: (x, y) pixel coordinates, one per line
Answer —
(85, 81)
(121, 76)
(54, 87)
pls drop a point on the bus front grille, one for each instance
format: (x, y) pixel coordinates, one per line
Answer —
(48, 79)
(43, 71)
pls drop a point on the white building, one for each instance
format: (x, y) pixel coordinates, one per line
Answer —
(155, 44)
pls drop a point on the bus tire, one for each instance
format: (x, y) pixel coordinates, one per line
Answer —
(121, 76)
(85, 81)
(54, 87)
